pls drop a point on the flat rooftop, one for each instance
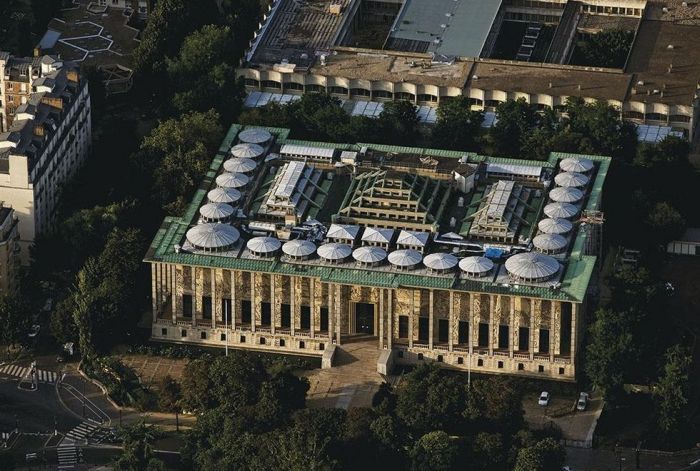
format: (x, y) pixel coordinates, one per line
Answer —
(445, 27)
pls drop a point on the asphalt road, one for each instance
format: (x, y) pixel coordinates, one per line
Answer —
(33, 411)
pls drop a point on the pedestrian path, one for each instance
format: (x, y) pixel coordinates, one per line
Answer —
(68, 452)
(43, 376)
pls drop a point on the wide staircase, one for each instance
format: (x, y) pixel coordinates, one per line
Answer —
(352, 381)
(563, 39)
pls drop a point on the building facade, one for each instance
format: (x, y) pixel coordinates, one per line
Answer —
(429, 292)
(9, 251)
(47, 140)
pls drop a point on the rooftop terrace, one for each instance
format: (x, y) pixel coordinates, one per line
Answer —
(569, 283)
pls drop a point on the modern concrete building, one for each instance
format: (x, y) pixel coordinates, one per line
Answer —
(473, 261)
(426, 52)
(46, 138)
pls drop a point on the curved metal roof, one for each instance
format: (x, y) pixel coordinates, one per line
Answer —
(576, 164)
(216, 211)
(263, 245)
(212, 236)
(550, 242)
(561, 210)
(247, 151)
(405, 258)
(564, 194)
(254, 136)
(334, 251)
(243, 165)
(476, 265)
(299, 248)
(369, 254)
(555, 226)
(232, 180)
(224, 195)
(532, 266)
(440, 261)
(572, 179)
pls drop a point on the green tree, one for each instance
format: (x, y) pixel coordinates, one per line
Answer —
(489, 453)
(138, 452)
(203, 76)
(431, 399)
(516, 119)
(672, 395)
(179, 151)
(666, 223)
(608, 48)
(457, 126)
(611, 349)
(169, 394)
(398, 122)
(15, 27)
(495, 405)
(434, 451)
(546, 455)
(15, 320)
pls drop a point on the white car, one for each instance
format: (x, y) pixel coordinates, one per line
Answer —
(34, 331)
(582, 401)
(544, 399)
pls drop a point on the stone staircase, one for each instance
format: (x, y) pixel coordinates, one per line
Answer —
(352, 381)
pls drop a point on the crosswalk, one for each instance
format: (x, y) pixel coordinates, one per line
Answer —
(43, 376)
(68, 452)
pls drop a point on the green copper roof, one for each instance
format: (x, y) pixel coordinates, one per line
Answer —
(574, 284)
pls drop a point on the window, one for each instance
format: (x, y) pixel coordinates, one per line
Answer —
(246, 309)
(480, 362)
(561, 371)
(305, 320)
(463, 332)
(187, 305)
(262, 340)
(183, 333)
(503, 334)
(203, 335)
(500, 364)
(321, 346)
(286, 316)
(544, 340)
(283, 343)
(265, 314)
(403, 327)
(521, 367)
(540, 368)
(439, 358)
(206, 307)
(400, 353)
(164, 332)
(223, 337)
(242, 338)
(420, 356)
(302, 344)
(460, 360)
(423, 329)
(483, 334)
(324, 319)
(443, 330)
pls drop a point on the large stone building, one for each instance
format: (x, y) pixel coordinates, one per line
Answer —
(9, 251)
(425, 52)
(293, 247)
(46, 137)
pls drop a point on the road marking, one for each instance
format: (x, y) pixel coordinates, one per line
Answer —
(43, 376)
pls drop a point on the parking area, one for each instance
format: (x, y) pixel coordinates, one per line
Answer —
(561, 413)
(151, 369)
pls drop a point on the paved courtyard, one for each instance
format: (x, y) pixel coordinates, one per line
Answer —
(575, 425)
(353, 380)
(151, 369)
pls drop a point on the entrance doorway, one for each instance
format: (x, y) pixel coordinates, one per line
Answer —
(364, 318)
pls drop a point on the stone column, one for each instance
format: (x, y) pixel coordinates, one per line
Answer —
(215, 297)
(574, 337)
(389, 319)
(554, 328)
(431, 318)
(494, 322)
(331, 312)
(537, 319)
(474, 322)
(514, 327)
(338, 309)
(532, 348)
(292, 304)
(410, 318)
(312, 307)
(381, 318)
(198, 275)
(234, 300)
(154, 293)
(177, 293)
(253, 302)
(273, 304)
(451, 322)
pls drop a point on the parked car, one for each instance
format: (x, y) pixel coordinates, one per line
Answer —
(544, 399)
(582, 401)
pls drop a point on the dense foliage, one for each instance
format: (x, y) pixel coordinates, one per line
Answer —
(253, 419)
(605, 49)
